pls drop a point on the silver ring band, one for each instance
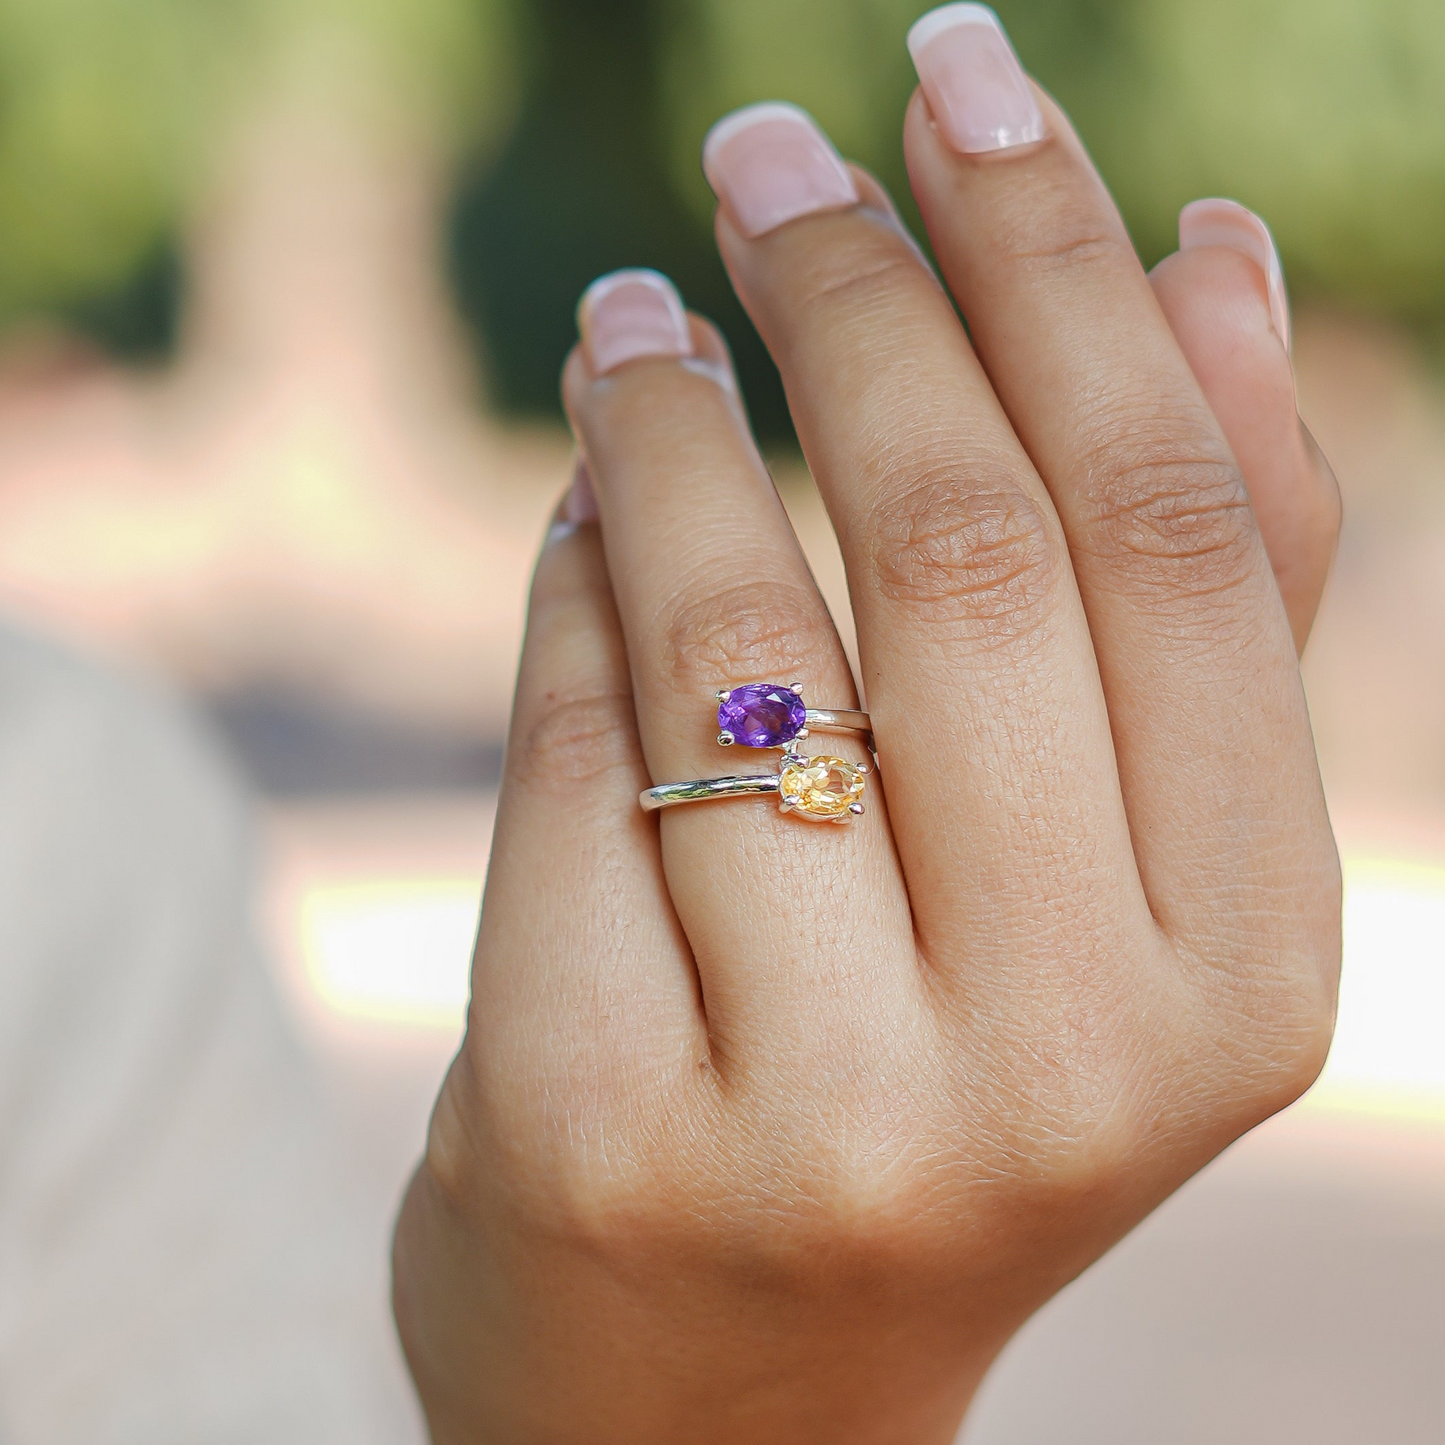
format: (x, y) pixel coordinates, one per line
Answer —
(840, 720)
(823, 789)
(768, 715)
(669, 795)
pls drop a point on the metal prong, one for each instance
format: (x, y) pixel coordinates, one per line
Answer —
(800, 735)
(722, 694)
(856, 809)
(786, 805)
(726, 739)
(796, 687)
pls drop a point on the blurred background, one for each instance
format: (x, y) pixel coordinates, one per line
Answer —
(284, 290)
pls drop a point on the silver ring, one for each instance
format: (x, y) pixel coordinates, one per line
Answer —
(767, 715)
(820, 789)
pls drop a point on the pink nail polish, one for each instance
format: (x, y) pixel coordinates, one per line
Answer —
(973, 81)
(771, 164)
(1218, 222)
(629, 315)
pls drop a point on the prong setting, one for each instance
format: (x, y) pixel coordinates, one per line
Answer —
(821, 789)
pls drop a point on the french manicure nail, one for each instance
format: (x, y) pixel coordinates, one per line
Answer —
(771, 164)
(629, 315)
(973, 81)
(1218, 222)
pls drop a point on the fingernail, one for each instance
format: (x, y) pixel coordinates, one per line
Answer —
(629, 315)
(579, 506)
(1218, 222)
(771, 164)
(973, 81)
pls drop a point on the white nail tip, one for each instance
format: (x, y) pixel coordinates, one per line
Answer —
(948, 17)
(749, 116)
(1217, 221)
(655, 281)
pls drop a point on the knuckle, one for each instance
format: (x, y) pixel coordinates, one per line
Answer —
(1180, 524)
(577, 739)
(1090, 1165)
(1290, 1027)
(857, 279)
(1066, 231)
(865, 264)
(977, 551)
(451, 1155)
(1311, 1032)
(660, 408)
(725, 634)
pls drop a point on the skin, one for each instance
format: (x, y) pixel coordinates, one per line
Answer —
(767, 1131)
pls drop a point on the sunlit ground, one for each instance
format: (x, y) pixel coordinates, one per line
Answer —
(1389, 1051)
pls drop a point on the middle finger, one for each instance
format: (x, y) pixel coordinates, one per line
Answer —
(993, 735)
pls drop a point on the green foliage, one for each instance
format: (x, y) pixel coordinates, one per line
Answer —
(108, 108)
(844, 61)
(1327, 116)
(454, 58)
(96, 108)
(1324, 115)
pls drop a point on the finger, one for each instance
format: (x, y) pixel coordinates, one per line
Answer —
(713, 592)
(578, 941)
(994, 741)
(1222, 294)
(1193, 645)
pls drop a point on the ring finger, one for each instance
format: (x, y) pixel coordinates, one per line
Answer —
(713, 592)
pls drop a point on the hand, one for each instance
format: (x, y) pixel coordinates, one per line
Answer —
(766, 1131)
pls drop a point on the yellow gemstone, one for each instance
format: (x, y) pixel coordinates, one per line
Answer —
(820, 787)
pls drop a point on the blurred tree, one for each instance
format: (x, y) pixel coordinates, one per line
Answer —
(98, 107)
(582, 187)
(1327, 116)
(108, 112)
(1324, 115)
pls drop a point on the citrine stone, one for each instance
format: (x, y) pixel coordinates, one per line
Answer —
(820, 787)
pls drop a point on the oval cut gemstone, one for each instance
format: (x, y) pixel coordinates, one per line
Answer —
(820, 787)
(762, 715)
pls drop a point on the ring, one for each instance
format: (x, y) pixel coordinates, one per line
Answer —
(823, 790)
(768, 715)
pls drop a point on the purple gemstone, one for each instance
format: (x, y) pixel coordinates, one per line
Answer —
(762, 715)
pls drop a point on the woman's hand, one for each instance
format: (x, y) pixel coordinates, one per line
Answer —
(766, 1131)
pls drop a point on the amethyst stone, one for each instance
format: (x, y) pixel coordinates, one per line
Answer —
(762, 715)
